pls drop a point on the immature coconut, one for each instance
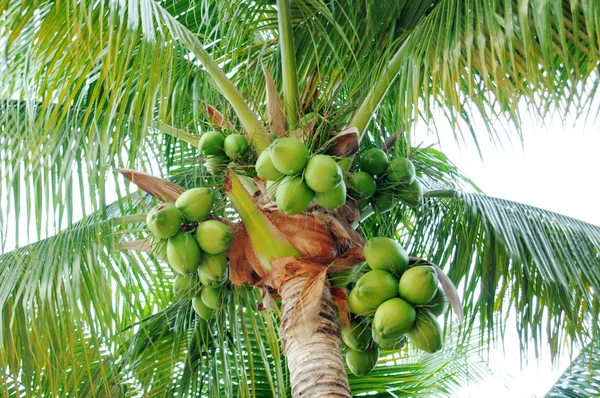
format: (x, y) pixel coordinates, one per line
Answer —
(293, 195)
(216, 163)
(271, 189)
(357, 335)
(393, 318)
(374, 161)
(235, 145)
(201, 309)
(400, 170)
(343, 278)
(212, 297)
(371, 290)
(386, 254)
(183, 253)
(185, 285)
(389, 344)
(289, 155)
(412, 194)
(418, 284)
(332, 199)
(212, 268)
(322, 173)
(164, 220)
(211, 143)
(265, 168)
(362, 185)
(213, 236)
(361, 363)
(383, 202)
(426, 333)
(438, 305)
(158, 248)
(196, 203)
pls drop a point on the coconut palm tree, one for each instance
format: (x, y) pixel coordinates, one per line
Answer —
(90, 88)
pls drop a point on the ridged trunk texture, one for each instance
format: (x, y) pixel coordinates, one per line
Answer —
(315, 362)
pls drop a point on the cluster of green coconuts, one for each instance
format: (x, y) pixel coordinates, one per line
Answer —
(220, 149)
(295, 179)
(389, 303)
(380, 183)
(194, 246)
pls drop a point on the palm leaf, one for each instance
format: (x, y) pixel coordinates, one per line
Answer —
(581, 378)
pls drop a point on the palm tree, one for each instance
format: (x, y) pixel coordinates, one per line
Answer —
(91, 87)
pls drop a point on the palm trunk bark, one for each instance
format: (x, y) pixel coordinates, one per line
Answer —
(315, 363)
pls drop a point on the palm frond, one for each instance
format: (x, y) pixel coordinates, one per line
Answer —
(581, 378)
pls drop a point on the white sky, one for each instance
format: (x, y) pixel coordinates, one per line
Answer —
(556, 170)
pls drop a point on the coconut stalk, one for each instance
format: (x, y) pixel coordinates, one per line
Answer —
(288, 63)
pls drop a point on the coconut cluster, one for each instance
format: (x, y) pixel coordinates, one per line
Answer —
(391, 302)
(381, 182)
(194, 246)
(298, 179)
(221, 149)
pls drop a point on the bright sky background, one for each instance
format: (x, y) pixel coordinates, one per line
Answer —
(556, 170)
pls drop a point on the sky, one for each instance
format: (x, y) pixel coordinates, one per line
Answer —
(555, 169)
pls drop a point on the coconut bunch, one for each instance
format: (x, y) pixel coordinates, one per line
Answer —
(392, 302)
(381, 182)
(194, 246)
(220, 149)
(295, 179)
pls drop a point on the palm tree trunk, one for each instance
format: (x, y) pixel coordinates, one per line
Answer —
(315, 362)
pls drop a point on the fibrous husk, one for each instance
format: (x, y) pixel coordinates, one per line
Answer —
(163, 190)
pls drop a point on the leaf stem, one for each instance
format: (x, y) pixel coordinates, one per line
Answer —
(129, 219)
(288, 62)
(363, 115)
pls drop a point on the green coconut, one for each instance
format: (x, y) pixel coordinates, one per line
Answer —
(343, 278)
(362, 185)
(393, 318)
(332, 199)
(196, 203)
(213, 236)
(361, 363)
(389, 344)
(363, 204)
(386, 254)
(235, 145)
(357, 335)
(183, 253)
(412, 194)
(211, 143)
(438, 305)
(371, 290)
(289, 155)
(345, 164)
(185, 285)
(293, 195)
(271, 189)
(212, 297)
(215, 164)
(374, 161)
(158, 248)
(383, 202)
(400, 170)
(201, 309)
(164, 220)
(426, 333)
(322, 173)
(212, 268)
(418, 284)
(265, 168)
